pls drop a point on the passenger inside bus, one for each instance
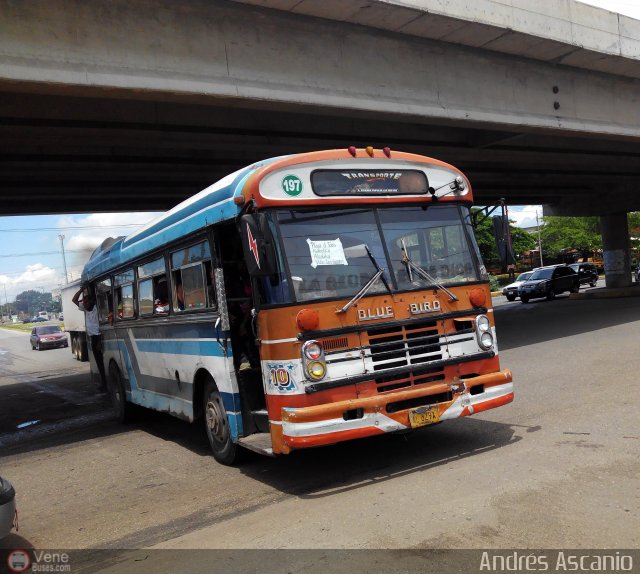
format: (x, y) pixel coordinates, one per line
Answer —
(161, 302)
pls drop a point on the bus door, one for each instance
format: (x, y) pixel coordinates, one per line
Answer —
(235, 330)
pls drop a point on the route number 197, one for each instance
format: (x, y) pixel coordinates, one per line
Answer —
(292, 185)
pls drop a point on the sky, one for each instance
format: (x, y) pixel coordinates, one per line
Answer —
(31, 253)
(31, 250)
(626, 7)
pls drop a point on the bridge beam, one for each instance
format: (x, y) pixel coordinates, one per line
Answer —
(244, 55)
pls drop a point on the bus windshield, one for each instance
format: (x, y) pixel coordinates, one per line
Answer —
(333, 254)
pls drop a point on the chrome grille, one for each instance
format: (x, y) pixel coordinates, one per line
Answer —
(416, 343)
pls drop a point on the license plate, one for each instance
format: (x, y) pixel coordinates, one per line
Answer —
(423, 416)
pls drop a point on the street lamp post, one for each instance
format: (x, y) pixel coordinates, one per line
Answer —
(539, 239)
(64, 259)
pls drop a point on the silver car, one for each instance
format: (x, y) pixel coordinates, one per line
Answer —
(511, 290)
(8, 515)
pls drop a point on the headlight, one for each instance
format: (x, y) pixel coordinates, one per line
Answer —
(316, 370)
(313, 360)
(483, 332)
(312, 350)
(482, 323)
(486, 340)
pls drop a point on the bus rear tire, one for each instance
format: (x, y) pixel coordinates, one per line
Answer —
(115, 386)
(225, 451)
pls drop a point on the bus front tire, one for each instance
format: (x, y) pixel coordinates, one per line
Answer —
(115, 386)
(225, 451)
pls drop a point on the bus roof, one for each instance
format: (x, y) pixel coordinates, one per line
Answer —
(216, 202)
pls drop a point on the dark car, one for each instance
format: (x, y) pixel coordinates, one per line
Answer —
(511, 291)
(587, 273)
(548, 282)
(48, 337)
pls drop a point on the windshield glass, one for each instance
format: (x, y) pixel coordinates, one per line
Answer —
(541, 274)
(327, 251)
(48, 330)
(523, 276)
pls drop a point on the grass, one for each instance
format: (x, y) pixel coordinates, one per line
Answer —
(26, 327)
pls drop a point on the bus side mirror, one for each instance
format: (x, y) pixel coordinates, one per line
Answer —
(258, 245)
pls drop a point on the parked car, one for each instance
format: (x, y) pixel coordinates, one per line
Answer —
(61, 317)
(7, 507)
(587, 273)
(511, 291)
(43, 314)
(37, 320)
(48, 337)
(548, 282)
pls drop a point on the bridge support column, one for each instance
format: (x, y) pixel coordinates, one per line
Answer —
(615, 241)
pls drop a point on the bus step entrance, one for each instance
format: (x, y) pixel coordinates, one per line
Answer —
(261, 420)
(259, 442)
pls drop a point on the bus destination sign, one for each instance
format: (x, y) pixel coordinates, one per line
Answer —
(329, 182)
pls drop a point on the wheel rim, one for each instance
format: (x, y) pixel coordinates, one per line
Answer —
(216, 419)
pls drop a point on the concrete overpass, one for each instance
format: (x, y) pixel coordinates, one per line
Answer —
(137, 104)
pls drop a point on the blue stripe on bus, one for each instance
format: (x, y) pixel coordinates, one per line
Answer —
(172, 347)
(151, 399)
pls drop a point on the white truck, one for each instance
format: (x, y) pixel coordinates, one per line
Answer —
(74, 321)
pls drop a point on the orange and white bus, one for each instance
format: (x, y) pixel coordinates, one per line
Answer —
(305, 300)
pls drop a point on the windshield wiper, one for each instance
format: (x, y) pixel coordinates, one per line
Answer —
(422, 273)
(360, 294)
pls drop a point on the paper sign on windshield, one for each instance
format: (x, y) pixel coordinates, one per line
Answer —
(327, 252)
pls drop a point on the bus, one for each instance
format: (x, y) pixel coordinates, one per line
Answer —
(303, 301)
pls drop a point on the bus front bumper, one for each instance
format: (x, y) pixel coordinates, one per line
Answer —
(357, 418)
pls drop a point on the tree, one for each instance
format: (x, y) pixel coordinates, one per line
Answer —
(560, 233)
(31, 301)
(521, 240)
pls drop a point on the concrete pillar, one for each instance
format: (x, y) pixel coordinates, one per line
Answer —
(615, 241)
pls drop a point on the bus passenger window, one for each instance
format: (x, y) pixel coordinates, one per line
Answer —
(124, 302)
(153, 292)
(191, 276)
(145, 297)
(191, 280)
(104, 301)
(124, 295)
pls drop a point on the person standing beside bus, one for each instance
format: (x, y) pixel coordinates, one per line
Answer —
(87, 304)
